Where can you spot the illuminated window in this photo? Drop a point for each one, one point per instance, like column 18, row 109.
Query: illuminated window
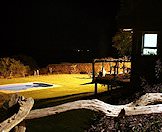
column 149, row 44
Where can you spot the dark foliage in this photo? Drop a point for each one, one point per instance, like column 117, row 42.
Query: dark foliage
column 139, row 123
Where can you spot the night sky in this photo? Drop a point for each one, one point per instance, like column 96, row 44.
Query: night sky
column 58, row 31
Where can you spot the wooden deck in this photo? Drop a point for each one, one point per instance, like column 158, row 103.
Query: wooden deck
column 111, row 82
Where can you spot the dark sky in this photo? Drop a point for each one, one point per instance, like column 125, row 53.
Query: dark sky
column 51, row 31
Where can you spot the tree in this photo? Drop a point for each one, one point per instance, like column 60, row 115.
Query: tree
column 123, row 42
column 10, row 67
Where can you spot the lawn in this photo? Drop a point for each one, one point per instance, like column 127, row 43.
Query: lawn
column 69, row 84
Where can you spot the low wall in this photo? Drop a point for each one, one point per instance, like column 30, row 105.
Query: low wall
column 80, row 68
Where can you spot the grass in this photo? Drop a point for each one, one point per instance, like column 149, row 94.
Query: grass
column 70, row 84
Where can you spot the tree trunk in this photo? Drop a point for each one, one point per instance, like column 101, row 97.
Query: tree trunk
column 149, row 103
column 144, row 105
column 25, row 105
column 20, row 127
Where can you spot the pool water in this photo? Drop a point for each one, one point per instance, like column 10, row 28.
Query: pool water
column 23, row 86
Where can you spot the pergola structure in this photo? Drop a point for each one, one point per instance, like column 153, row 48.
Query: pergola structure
column 115, row 73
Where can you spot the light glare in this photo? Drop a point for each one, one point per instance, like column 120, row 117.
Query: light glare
column 150, row 40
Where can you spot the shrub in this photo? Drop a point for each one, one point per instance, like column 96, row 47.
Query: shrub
column 10, row 67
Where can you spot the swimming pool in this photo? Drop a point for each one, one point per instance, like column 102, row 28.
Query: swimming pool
column 24, row 86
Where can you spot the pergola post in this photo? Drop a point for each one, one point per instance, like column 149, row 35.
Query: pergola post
column 95, row 92
column 93, row 71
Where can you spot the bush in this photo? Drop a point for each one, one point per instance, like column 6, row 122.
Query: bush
column 10, row 67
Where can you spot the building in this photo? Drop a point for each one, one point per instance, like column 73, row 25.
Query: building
column 144, row 17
